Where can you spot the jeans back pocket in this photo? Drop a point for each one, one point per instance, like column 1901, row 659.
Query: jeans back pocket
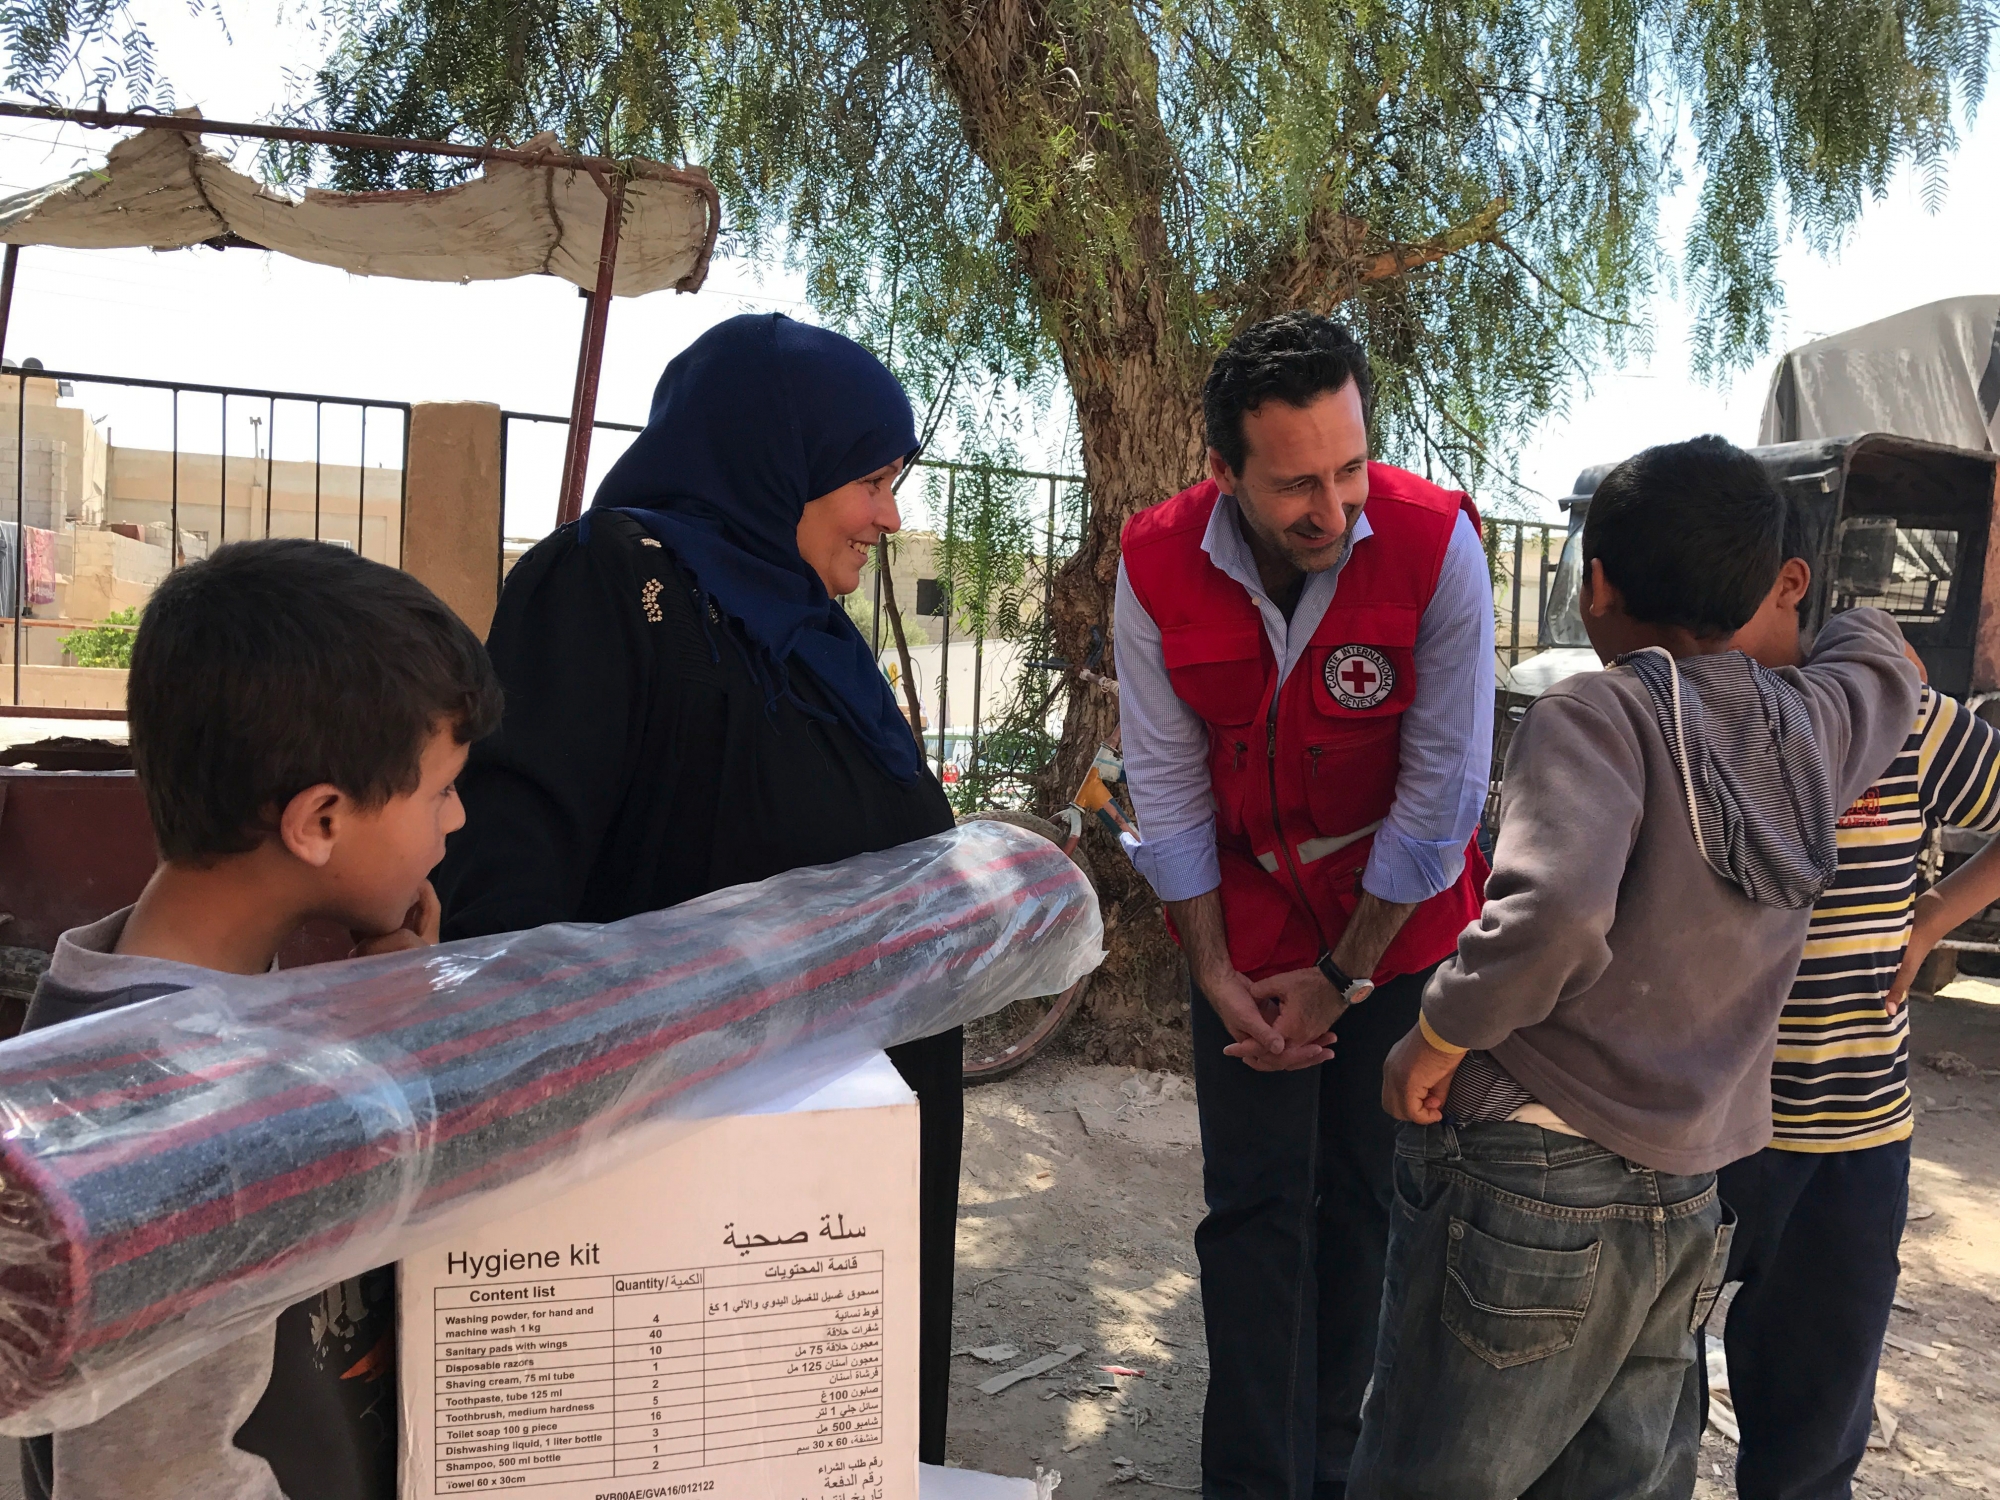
column 1510, row 1304
column 1718, row 1269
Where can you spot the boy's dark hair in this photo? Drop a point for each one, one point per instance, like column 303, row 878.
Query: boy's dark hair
column 1294, row 358
column 1691, row 533
column 275, row 665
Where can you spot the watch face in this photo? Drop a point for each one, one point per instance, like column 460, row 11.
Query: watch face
column 1360, row 990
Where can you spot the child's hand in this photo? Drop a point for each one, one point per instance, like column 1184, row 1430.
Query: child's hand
column 1923, row 672
column 419, row 929
column 1930, row 927
column 1906, row 975
column 1415, row 1079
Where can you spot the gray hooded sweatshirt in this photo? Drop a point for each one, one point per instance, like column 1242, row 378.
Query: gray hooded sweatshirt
column 1623, row 976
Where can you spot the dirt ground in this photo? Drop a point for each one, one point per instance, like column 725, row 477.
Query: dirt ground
column 1082, row 1187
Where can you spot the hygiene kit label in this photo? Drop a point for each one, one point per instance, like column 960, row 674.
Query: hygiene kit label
column 734, row 1315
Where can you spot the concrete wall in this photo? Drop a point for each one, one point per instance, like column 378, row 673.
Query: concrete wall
column 60, row 687
column 65, row 468
column 356, row 506
column 453, row 518
column 109, row 572
column 913, row 556
column 997, row 665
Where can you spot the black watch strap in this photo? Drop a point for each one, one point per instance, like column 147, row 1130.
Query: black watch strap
column 1336, row 976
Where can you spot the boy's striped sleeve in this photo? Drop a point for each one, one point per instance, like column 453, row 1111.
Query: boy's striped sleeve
column 1959, row 768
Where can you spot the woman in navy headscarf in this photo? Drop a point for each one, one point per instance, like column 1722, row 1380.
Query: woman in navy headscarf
column 688, row 705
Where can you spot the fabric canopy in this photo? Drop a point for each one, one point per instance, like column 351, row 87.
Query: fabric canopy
column 1932, row 372
column 161, row 188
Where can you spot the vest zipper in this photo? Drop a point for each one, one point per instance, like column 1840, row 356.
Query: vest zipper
column 1240, row 748
column 1313, row 751
column 1278, row 825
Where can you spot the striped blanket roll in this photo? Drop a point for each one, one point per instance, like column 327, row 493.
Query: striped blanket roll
column 178, row 1171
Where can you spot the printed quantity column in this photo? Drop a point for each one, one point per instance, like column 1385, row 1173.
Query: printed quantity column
column 659, row 1395
column 524, row 1383
column 793, row 1357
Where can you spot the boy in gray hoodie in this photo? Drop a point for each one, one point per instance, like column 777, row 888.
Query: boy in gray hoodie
column 1601, row 1042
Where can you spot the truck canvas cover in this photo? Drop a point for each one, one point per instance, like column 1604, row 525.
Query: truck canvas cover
column 1932, row 372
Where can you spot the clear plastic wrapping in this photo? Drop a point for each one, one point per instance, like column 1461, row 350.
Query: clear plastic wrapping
column 175, row 1173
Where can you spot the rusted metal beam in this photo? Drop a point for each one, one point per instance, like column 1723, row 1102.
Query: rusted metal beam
column 7, row 294
column 99, row 119
column 589, row 362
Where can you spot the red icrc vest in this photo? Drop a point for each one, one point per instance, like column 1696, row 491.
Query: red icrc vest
column 1302, row 784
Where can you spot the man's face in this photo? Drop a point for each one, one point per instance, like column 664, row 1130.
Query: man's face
column 1305, row 476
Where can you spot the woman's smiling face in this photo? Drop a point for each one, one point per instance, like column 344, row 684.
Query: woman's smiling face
column 839, row 529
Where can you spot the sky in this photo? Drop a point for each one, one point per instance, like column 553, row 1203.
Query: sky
column 244, row 318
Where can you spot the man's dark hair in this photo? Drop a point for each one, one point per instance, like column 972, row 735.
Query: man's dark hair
column 1295, row 358
column 276, row 665
column 1691, row 533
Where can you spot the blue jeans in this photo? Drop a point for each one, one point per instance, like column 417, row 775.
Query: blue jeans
column 1538, row 1317
column 1816, row 1250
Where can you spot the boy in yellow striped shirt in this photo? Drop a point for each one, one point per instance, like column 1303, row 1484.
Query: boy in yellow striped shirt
column 1820, row 1211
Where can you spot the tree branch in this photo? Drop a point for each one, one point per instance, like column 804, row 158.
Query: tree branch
column 1558, row 293
column 1483, row 228
column 1335, row 260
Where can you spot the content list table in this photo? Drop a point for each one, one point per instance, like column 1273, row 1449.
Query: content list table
column 624, row 1375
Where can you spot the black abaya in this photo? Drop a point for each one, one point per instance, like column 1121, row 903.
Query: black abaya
column 642, row 763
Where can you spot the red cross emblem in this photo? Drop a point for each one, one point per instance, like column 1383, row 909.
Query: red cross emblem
column 1359, row 677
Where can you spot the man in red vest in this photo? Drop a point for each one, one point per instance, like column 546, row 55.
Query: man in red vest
column 1305, row 662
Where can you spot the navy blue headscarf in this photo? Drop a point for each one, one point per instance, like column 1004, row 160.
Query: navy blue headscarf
column 755, row 418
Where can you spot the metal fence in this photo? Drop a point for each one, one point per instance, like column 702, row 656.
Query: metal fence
column 214, row 463
column 117, row 479
column 1060, row 503
column 1522, row 557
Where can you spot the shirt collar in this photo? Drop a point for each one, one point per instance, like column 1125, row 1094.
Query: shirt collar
column 1229, row 550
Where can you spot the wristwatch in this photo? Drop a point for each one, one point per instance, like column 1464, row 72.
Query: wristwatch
column 1353, row 991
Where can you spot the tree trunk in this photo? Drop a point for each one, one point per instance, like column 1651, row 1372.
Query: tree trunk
column 1044, row 105
column 1141, row 443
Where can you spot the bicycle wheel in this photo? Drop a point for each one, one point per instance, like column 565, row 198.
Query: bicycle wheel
column 1010, row 1038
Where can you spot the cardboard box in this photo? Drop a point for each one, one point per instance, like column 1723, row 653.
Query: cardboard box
column 732, row 1315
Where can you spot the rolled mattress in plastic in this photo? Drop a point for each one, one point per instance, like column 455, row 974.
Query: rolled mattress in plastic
column 175, row 1173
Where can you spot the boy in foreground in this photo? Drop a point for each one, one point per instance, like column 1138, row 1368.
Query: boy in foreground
column 1601, row 1042
column 298, row 716
column 1820, row 1210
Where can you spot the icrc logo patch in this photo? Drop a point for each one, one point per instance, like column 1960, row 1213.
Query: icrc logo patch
column 1359, row 677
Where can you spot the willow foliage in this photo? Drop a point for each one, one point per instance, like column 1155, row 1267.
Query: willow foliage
column 970, row 185
column 977, row 187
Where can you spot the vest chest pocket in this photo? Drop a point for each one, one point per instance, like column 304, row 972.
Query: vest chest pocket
column 1220, row 670
column 1363, row 662
column 1361, row 675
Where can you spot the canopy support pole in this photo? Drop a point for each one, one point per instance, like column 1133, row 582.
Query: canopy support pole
column 589, row 360
column 7, row 293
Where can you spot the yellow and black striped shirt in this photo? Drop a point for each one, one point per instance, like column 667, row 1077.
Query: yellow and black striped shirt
column 1841, row 1078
